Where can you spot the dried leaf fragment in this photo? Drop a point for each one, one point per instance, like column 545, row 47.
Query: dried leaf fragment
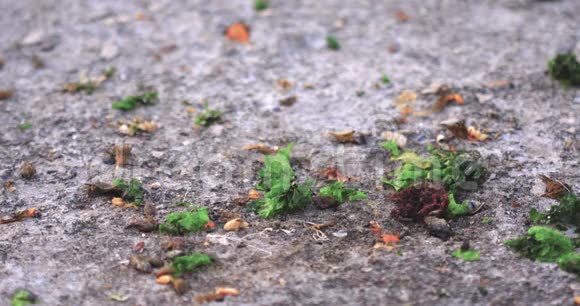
column 5, row 94
column 122, row 154
column 284, row 84
column 398, row 138
column 390, row 238
column 289, row 101
column 260, row 148
column 235, row 224
column 238, row 32
column 474, row 134
column 456, row 127
column 25, row 214
column 140, row 264
column 179, row 285
column 137, row 248
column 144, row 225
column 344, row 136
column 402, row 16
column 164, row 279
column 9, row 185
column 227, row 291
column 118, row 202
column 555, row 189
column 253, row 194
column 217, row 295
column 27, row 170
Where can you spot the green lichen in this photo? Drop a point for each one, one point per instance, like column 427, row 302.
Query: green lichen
column 467, row 255
column 180, row 223
column 132, row 191
column 332, row 43
column 208, row 117
column 132, row 102
column 283, row 194
column 565, row 68
column 22, row 298
column 25, row 126
column 189, row 263
column 566, row 214
column 340, row 193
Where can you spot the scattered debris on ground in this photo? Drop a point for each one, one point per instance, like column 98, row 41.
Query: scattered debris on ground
column 89, row 85
column 25, row 214
column 238, row 32
column 208, row 117
column 332, row 43
column 132, row 102
column 565, row 68
column 23, row 297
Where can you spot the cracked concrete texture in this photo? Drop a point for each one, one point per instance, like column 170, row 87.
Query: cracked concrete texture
column 77, row 252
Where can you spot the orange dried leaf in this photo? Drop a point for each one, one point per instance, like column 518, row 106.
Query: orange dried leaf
column 402, row 16
column 253, row 194
column 390, row 238
column 164, row 279
column 238, row 32
column 474, row 134
column 260, row 148
column 223, row 291
column 344, row 136
column 118, row 202
column 209, row 225
column 28, row 213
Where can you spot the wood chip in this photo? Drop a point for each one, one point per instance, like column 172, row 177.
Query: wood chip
column 344, row 136
column 235, row 224
column 260, row 148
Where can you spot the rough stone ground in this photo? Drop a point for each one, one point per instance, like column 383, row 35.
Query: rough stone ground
column 77, row 252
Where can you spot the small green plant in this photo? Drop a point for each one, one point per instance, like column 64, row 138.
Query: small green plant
column 180, row 223
column 392, row 147
column 341, row 194
column 467, row 255
column 486, row 220
column 567, row 213
column 132, row 102
column 208, row 117
column 183, row 204
column 332, row 43
column 25, row 126
column 260, row 5
column 22, row 298
column 189, row 263
column 385, row 79
column 283, row 194
column 132, row 190
column 565, row 68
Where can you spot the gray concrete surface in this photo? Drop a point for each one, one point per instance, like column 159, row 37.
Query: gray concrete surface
column 77, row 252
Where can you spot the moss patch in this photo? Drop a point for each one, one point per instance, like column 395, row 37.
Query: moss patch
column 189, row 263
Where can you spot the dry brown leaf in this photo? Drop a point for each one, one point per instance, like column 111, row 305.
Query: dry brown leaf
column 224, row 291
column 288, row 101
column 143, row 225
column 179, row 285
column 27, row 170
column 166, row 270
column 25, row 214
column 6, row 94
column 238, row 32
column 137, row 248
column 260, row 148
column 253, row 194
column 406, row 97
column 235, row 224
column 344, row 136
column 147, row 126
column 456, row 127
column 164, row 279
column 284, row 84
column 9, row 185
column 118, row 202
column 555, row 189
column 122, row 154
column 402, row 16
column 474, row 134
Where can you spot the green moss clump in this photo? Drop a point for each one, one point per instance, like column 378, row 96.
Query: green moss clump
column 570, row 262
column 180, row 223
column 542, row 244
column 455, row 209
column 260, row 5
column 283, row 194
column 563, row 215
column 133, row 102
column 392, row 147
column 189, row 263
column 340, row 193
column 385, row 79
column 565, row 68
column 132, row 191
column 208, row 117
column 22, row 298
column 25, row 126
column 467, row 255
column 332, row 43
